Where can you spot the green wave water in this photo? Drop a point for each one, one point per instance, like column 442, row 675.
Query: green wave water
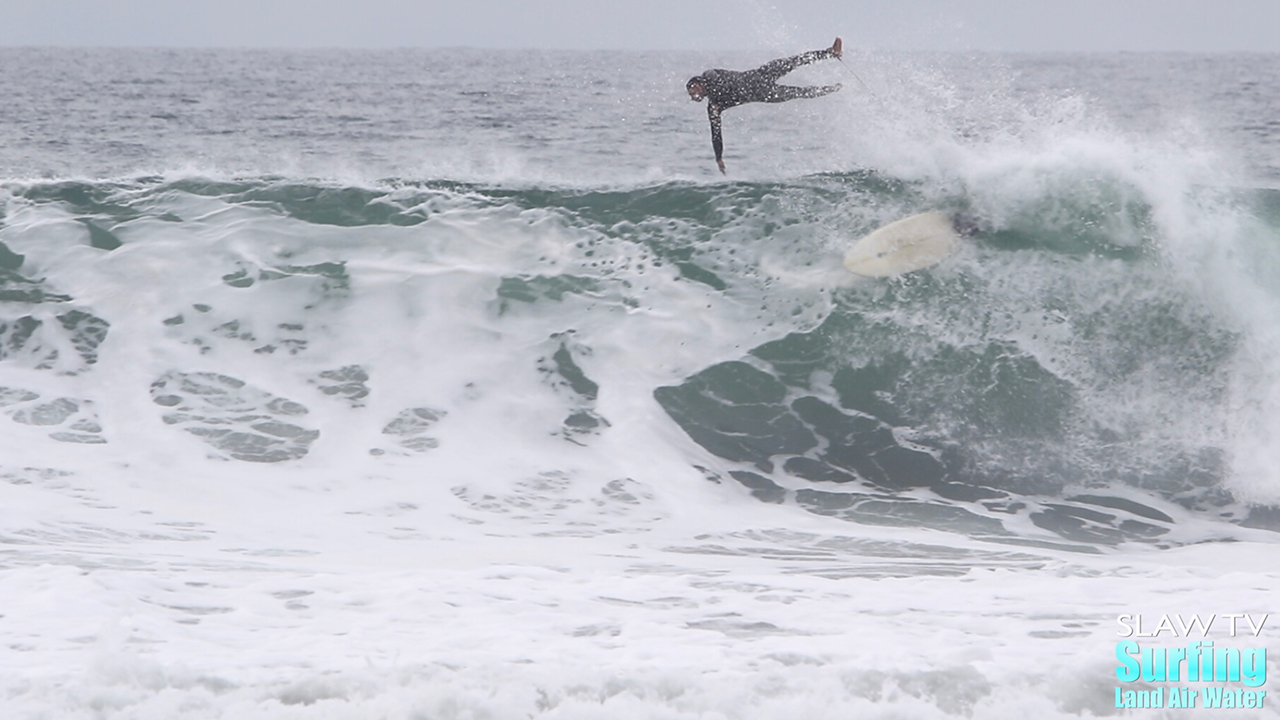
column 1063, row 353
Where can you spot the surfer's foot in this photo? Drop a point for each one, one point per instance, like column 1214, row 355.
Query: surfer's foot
column 837, row 48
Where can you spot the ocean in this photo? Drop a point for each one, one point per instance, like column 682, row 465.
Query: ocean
column 460, row 384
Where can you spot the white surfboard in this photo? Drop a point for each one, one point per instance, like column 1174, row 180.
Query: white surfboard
column 912, row 243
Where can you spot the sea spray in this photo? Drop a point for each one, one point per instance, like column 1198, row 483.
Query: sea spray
column 456, row 382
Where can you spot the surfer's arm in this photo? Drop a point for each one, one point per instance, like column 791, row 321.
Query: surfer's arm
column 717, row 143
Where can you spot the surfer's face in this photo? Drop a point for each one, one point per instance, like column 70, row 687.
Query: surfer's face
column 697, row 91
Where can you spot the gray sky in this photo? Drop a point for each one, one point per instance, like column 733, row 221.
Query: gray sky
column 1136, row 25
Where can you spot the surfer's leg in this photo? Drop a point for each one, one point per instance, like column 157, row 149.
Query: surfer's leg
column 783, row 93
column 775, row 69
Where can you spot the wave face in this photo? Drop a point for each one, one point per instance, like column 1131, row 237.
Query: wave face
column 1064, row 355
column 466, row 389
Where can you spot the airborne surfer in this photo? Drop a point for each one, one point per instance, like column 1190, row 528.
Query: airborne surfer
column 724, row 89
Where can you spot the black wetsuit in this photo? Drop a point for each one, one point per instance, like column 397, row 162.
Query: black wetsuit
column 727, row 88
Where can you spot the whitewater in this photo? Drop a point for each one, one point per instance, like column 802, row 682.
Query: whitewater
column 427, row 384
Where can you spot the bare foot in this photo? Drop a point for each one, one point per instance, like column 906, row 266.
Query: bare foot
column 837, row 48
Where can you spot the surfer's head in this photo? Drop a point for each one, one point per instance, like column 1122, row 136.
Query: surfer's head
column 697, row 87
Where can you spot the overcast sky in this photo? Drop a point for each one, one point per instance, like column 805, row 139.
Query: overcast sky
column 1089, row 25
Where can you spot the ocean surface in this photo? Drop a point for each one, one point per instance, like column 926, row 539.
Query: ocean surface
column 459, row 384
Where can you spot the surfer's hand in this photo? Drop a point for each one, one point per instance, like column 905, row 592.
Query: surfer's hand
column 837, row 48
column 721, row 164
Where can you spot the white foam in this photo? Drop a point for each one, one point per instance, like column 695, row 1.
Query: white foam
column 515, row 569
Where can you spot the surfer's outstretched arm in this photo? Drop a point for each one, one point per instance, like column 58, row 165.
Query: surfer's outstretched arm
column 783, row 93
column 717, row 143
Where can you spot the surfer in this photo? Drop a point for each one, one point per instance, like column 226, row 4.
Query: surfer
column 724, row 89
